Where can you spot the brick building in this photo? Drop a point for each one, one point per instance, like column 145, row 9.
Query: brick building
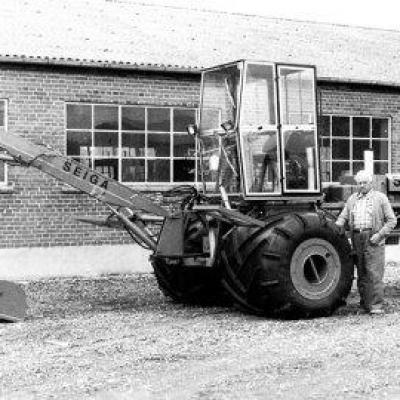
column 113, row 83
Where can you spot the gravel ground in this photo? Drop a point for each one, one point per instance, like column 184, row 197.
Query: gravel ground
column 118, row 337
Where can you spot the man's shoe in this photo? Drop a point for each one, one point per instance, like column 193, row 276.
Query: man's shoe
column 377, row 311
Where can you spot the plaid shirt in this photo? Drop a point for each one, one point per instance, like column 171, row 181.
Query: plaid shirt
column 383, row 218
column 362, row 211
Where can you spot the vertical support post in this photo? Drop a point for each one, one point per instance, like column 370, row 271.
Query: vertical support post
column 369, row 161
column 224, row 197
column 311, row 167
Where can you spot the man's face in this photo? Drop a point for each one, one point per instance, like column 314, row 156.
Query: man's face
column 364, row 186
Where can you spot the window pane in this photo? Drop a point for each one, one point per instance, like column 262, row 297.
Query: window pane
column 325, row 125
column 79, row 116
column 184, row 146
column 79, row 143
column 158, row 170
column 133, row 119
column 340, row 126
column 297, row 95
column 381, row 168
column 211, row 119
column 106, row 117
column 108, row 167
column 2, row 115
column 158, row 119
column 106, row 144
column 184, row 170
column 220, row 92
column 133, row 170
column 380, row 128
column 325, row 171
column 359, row 146
column 299, row 159
column 158, row 145
column 228, row 165
column 133, row 145
column 258, row 96
column 260, row 155
column 325, row 149
column 339, row 170
column 380, row 148
column 357, row 166
column 340, row 149
column 183, row 118
column 361, row 127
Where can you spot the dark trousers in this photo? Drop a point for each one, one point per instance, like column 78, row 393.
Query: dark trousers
column 370, row 269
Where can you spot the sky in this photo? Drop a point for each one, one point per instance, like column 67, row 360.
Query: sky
column 382, row 14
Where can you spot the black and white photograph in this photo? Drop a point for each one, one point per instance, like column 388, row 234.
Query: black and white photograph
column 199, row 200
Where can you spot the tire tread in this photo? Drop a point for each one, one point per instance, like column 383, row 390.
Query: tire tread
column 260, row 278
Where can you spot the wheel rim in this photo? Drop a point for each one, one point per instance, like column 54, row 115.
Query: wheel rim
column 315, row 268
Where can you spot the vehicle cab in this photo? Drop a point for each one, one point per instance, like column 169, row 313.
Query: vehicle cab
column 258, row 130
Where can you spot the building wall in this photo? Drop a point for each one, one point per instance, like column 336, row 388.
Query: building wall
column 39, row 211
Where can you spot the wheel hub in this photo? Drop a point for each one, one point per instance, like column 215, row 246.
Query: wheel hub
column 315, row 268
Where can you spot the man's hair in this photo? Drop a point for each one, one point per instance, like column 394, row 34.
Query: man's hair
column 363, row 176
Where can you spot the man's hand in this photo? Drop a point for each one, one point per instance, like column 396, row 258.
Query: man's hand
column 375, row 239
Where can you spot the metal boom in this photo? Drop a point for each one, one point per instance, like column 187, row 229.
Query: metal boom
column 80, row 176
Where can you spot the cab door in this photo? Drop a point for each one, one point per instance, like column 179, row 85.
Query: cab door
column 298, row 129
column 258, row 128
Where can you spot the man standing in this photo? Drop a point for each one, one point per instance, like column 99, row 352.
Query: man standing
column 370, row 218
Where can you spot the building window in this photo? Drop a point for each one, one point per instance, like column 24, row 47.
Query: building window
column 133, row 144
column 343, row 141
column 3, row 127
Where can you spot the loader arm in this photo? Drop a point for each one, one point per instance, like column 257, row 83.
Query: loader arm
column 107, row 190
column 76, row 174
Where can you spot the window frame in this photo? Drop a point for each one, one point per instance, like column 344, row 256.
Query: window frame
column 146, row 157
column 287, row 126
column 350, row 160
column 246, row 129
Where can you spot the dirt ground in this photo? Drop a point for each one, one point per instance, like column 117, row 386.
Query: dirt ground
column 118, row 337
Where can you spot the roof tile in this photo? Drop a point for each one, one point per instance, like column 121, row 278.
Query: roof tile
column 131, row 34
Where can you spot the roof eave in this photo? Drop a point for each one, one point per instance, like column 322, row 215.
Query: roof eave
column 70, row 62
column 358, row 81
column 148, row 67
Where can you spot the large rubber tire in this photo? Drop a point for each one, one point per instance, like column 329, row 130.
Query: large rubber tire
column 190, row 284
column 297, row 266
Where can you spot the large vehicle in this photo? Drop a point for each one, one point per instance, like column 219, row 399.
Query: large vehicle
column 251, row 230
